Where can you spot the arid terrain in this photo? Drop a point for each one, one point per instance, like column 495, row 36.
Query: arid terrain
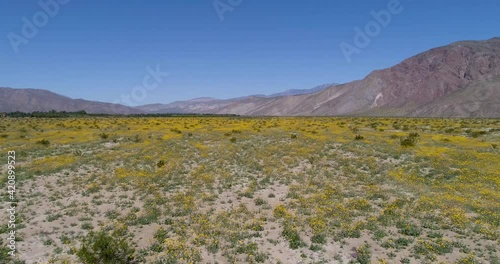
column 255, row 190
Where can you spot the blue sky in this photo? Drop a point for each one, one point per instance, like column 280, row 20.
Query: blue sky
column 99, row 50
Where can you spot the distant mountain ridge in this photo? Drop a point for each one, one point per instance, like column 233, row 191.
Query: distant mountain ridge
column 211, row 105
column 292, row 92
column 32, row 100
column 458, row 80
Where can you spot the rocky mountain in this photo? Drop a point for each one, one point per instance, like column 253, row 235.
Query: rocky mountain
column 302, row 91
column 212, row 105
column 31, row 100
column 190, row 106
column 461, row 79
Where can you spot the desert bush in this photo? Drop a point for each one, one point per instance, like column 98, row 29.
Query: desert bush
column 362, row 254
column 175, row 130
column 101, row 247
column 43, row 142
column 477, row 133
column 359, row 137
column 318, row 239
column 409, row 141
column 291, row 234
column 160, row 163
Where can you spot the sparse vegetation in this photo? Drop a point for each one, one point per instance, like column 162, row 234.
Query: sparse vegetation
column 257, row 190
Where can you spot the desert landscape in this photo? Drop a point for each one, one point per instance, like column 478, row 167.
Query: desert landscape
column 255, row 190
column 234, row 131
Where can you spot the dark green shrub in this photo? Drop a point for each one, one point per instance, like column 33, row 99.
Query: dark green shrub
column 293, row 237
column 315, row 247
column 359, row 137
column 409, row 141
column 100, row 247
column 175, row 130
column 362, row 254
column 318, row 239
column 409, row 229
column 476, row 134
column 160, row 163
column 161, row 235
column 414, row 135
column 43, row 142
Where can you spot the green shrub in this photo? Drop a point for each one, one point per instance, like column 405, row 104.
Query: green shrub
column 87, row 225
column 319, row 239
column 175, row 130
column 476, row 134
column 315, row 247
column 409, row 229
column 43, row 142
column 160, row 163
column 362, row 254
column 260, row 201
column 409, row 141
column 292, row 235
column 359, row 137
column 100, row 247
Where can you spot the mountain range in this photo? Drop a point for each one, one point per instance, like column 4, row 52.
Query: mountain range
column 212, row 105
column 458, row 80
column 32, row 100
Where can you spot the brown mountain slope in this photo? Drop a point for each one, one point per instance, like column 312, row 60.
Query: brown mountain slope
column 31, row 100
column 479, row 99
column 212, row 105
column 401, row 90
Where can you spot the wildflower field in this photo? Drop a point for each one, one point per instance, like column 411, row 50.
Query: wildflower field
column 254, row 190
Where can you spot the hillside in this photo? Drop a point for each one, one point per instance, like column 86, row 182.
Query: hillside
column 31, row 100
column 415, row 87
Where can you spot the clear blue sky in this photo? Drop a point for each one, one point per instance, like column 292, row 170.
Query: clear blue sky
column 99, row 50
